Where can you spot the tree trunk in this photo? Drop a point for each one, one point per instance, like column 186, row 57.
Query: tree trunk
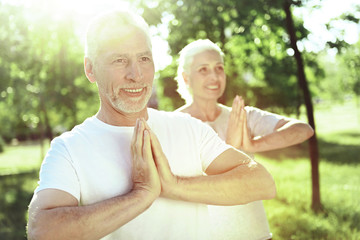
column 313, row 145
column 48, row 129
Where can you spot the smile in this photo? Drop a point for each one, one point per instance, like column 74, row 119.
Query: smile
column 213, row 87
column 133, row 90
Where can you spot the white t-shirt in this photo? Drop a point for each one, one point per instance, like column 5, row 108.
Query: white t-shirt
column 92, row 162
column 247, row 221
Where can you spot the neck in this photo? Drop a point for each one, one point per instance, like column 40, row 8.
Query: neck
column 205, row 110
column 118, row 118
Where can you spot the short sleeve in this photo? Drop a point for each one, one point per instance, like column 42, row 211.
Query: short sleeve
column 261, row 122
column 211, row 145
column 58, row 172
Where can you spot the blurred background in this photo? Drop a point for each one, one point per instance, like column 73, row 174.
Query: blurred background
column 268, row 44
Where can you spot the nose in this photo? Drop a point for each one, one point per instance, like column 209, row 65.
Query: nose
column 214, row 75
column 134, row 72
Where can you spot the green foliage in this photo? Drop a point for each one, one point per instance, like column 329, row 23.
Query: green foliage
column 166, row 87
column 42, row 87
column 43, row 90
column 254, row 38
column 351, row 59
column 2, row 144
column 16, row 194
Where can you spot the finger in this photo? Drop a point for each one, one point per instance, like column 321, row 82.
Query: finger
column 239, row 105
column 146, row 124
column 134, row 137
column 245, row 127
column 140, row 138
column 146, row 149
column 235, row 109
column 234, row 102
column 157, row 151
column 241, row 102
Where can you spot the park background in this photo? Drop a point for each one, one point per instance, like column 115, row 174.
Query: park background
column 43, row 92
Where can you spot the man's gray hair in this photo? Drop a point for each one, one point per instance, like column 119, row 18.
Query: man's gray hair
column 186, row 59
column 105, row 24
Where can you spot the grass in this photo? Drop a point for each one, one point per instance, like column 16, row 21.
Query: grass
column 21, row 157
column 290, row 215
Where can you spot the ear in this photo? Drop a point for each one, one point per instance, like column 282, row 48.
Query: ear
column 186, row 79
column 89, row 70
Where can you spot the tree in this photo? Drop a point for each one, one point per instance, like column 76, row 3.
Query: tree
column 42, row 81
column 255, row 41
column 262, row 59
column 313, row 145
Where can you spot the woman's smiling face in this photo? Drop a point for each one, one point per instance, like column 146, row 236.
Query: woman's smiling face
column 206, row 78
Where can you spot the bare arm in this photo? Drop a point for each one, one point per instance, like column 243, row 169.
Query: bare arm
column 286, row 133
column 54, row 214
column 233, row 178
column 239, row 185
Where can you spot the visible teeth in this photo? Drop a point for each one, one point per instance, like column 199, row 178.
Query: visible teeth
column 213, row 87
column 133, row 90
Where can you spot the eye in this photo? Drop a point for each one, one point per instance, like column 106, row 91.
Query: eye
column 220, row 68
column 145, row 59
column 120, row 60
column 202, row 70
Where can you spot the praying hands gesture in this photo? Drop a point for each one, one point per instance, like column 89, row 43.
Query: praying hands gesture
column 287, row 132
column 238, row 134
column 144, row 172
column 151, row 170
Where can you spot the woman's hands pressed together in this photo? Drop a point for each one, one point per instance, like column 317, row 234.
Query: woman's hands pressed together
column 238, row 134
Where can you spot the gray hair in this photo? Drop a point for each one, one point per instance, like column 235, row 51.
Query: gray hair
column 105, row 24
column 186, row 58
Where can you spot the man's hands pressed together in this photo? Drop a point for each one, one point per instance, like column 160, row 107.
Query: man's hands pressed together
column 144, row 172
column 151, row 170
column 152, row 173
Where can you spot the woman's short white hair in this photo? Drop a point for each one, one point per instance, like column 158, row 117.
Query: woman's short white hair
column 186, row 59
column 105, row 24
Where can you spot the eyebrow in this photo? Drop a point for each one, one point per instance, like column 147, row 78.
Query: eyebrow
column 206, row 64
column 114, row 55
column 144, row 53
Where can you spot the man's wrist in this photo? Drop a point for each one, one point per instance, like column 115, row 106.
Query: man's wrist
column 143, row 195
column 172, row 188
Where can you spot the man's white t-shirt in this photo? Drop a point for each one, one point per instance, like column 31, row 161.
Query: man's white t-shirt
column 92, row 162
column 247, row 222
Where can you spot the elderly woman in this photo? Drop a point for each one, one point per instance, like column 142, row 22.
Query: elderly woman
column 201, row 82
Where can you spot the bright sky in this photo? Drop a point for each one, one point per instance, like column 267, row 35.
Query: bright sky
column 314, row 20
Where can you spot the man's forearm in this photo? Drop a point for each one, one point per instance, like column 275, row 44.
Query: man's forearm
column 87, row 222
column 241, row 185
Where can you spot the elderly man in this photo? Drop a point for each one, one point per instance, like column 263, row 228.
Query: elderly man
column 131, row 172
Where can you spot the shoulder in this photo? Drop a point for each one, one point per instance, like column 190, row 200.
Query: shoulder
column 177, row 120
column 176, row 115
column 224, row 108
column 185, row 109
column 257, row 112
column 75, row 133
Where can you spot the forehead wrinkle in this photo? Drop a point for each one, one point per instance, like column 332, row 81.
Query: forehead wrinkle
column 144, row 53
column 208, row 64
